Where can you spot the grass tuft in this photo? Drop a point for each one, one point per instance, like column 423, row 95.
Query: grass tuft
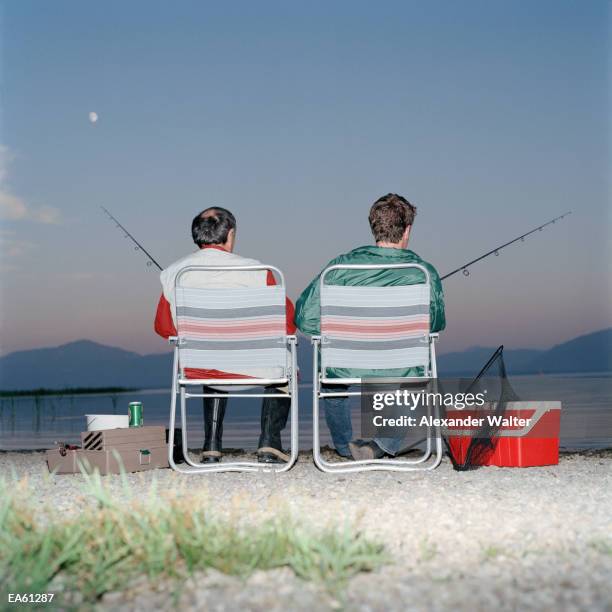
column 429, row 550
column 491, row 552
column 103, row 549
column 602, row 545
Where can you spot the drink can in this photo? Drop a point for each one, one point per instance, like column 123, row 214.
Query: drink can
column 135, row 414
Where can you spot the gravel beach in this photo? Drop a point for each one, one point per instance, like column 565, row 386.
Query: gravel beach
column 505, row 539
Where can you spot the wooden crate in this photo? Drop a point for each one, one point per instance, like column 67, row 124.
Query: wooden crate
column 107, row 439
column 134, row 449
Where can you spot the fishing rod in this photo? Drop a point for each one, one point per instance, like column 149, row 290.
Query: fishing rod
column 496, row 250
column 139, row 246
column 463, row 268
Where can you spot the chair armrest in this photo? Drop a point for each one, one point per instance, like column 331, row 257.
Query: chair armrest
column 172, row 339
column 315, row 339
column 292, row 339
column 434, row 337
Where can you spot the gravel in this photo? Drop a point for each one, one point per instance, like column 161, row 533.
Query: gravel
column 494, row 538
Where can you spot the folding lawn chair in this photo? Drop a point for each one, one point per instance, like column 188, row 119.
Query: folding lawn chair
column 234, row 329
column 375, row 329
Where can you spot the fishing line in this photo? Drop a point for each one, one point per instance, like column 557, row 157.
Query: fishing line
column 463, row 268
column 151, row 261
column 496, row 250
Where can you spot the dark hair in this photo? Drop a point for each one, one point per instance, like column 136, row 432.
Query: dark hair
column 390, row 216
column 212, row 226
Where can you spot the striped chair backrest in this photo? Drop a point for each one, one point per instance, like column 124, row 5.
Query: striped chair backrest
column 240, row 330
column 375, row 328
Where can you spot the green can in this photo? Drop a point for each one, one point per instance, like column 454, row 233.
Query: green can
column 135, row 414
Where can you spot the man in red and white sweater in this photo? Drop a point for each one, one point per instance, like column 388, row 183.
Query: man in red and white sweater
column 214, row 232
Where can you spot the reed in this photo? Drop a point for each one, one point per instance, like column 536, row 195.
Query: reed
column 103, row 549
column 65, row 391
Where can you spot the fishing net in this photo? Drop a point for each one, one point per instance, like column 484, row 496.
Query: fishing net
column 469, row 453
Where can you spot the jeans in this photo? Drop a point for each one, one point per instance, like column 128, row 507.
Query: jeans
column 338, row 419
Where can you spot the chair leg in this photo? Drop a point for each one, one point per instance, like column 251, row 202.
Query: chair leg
column 295, row 398
column 295, row 431
column 345, row 467
column 438, row 437
column 324, row 466
column 394, row 465
column 186, row 456
column 234, row 466
column 201, row 468
column 172, row 424
column 316, row 440
column 171, row 431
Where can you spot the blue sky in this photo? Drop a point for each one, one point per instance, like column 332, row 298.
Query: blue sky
column 490, row 116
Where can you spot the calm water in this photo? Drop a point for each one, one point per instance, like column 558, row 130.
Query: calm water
column 40, row 422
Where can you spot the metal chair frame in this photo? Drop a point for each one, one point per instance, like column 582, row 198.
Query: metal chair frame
column 180, row 384
column 319, row 379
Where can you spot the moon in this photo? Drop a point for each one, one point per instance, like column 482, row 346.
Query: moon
column 93, row 117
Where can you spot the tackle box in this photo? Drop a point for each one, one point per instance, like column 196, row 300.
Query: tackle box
column 133, row 449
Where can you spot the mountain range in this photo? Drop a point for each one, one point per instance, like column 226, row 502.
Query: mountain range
column 88, row 364
column 589, row 353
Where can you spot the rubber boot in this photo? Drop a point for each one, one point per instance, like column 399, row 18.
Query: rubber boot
column 214, row 411
column 274, row 414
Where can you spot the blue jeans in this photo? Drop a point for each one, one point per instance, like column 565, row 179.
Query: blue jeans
column 338, row 419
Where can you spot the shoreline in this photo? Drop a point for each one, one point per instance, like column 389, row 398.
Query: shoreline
column 563, row 451
column 501, row 538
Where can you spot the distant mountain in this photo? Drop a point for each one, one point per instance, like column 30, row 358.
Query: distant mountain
column 589, row 353
column 83, row 364
column 472, row 360
column 89, row 364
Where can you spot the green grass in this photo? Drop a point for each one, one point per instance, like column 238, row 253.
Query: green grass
column 602, row 546
column 428, row 550
column 491, row 552
column 102, row 549
column 65, row 391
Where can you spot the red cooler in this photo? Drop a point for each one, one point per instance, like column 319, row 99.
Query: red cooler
column 530, row 439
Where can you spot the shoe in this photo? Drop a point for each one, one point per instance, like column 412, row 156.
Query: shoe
column 214, row 412
column 274, row 414
column 344, row 454
column 271, row 455
column 208, row 457
column 365, row 451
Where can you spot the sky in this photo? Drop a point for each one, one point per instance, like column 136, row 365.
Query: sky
column 490, row 117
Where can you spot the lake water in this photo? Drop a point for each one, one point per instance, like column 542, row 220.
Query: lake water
column 39, row 422
column 28, row 423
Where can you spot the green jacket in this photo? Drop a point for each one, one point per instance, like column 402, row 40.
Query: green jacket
column 307, row 309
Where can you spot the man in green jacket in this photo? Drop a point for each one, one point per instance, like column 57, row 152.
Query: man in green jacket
column 391, row 218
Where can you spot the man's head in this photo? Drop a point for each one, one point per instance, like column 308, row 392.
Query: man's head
column 391, row 218
column 216, row 226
